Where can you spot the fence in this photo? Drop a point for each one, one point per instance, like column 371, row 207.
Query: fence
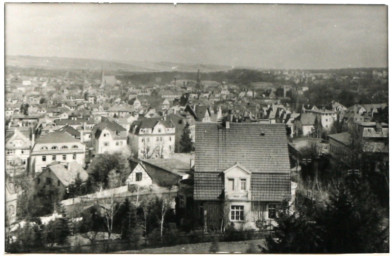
column 105, row 246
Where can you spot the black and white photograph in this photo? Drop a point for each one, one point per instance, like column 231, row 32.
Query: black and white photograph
column 196, row 128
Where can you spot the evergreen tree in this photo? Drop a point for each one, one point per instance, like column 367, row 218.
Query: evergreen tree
column 56, row 231
column 186, row 144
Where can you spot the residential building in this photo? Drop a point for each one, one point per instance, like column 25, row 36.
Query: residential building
column 161, row 172
column 17, row 150
column 152, row 138
column 109, row 137
column 304, row 125
column 242, row 173
column 60, row 176
column 58, row 146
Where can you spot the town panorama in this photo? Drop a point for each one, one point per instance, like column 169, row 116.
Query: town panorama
column 105, row 156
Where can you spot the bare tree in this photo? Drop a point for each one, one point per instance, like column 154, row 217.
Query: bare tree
column 109, row 210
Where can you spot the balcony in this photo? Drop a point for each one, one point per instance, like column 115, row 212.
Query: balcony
column 238, row 195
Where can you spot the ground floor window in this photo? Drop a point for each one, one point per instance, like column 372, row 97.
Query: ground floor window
column 237, row 212
column 271, row 211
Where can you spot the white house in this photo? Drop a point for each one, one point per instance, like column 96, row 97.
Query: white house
column 56, row 146
column 17, row 151
column 109, row 137
column 152, row 138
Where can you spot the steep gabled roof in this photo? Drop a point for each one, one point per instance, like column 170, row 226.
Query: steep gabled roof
column 257, row 147
column 72, row 131
column 149, row 123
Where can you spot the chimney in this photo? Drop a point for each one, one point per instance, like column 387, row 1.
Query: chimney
column 227, row 125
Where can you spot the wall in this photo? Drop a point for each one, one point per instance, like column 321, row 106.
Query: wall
column 146, row 180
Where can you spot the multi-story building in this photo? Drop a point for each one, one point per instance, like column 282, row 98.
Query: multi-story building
column 17, row 150
column 152, row 138
column 56, row 146
column 109, row 137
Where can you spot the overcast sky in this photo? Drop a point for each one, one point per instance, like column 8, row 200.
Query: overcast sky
column 265, row 36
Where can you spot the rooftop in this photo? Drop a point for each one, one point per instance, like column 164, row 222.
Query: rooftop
column 56, row 137
column 258, row 147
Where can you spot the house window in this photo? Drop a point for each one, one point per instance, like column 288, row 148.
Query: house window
column 10, row 152
column 54, row 147
column 64, row 147
column 243, row 184
column 157, row 138
column 271, row 211
column 237, row 212
column 159, row 130
column 231, row 184
column 38, row 180
column 43, row 158
column 48, row 181
column 64, row 157
column 139, row 176
column 54, row 157
column 58, row 183
column 75, row 146
column 169, row 138
column 74, row 156
column 106, row 144
column 117, row 143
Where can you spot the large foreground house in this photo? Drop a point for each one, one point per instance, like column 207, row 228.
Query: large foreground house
column 242, row 173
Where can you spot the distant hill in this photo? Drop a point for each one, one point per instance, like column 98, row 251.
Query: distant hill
column 58, row 63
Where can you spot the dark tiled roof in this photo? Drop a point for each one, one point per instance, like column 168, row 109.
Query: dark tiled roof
column 148, row 123
column 71, row 130
column 258, row 147
column 161, row 176
column 111, row 125
column 208, row 185
column 270, row 186
column 343, row 137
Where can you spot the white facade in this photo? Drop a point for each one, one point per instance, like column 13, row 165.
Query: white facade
column 139, row 177
column 17, row 151
column 63, row 152
column 106, row 143
column 156, row 142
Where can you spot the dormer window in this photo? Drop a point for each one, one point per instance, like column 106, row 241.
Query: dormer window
column 75, row 146
column 64, row 147
column 44, row 148
column 54, row 147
